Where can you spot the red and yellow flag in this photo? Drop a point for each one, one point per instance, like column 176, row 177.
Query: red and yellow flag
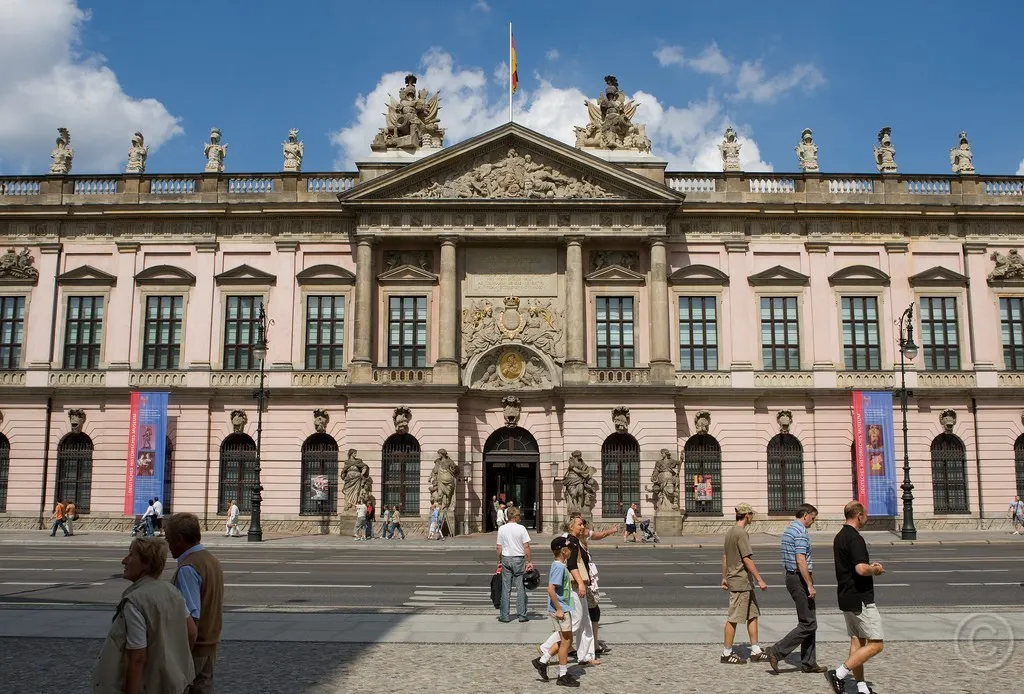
column 513, row 63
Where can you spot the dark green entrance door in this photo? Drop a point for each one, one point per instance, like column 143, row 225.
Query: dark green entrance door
column 511, row 463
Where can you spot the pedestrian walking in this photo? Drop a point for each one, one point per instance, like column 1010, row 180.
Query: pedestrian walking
column 434, row 532
column 70, row 515
column 855, row 586
column 148, row 517
column 501, row 518
column 560, row 603
column 578, row 566
column 630, row 523
column 231, row 526
column 58, row 519
column 739, row 572
column 1017, row 515
column 396, row 523
column 385, row 523
column 158, row 515
column 359, row 531
column 514, row 560
column 593, row 593
column 201, row 581
column 494, row 512
column 370, row 518
column 148, row 645
column 799, row 568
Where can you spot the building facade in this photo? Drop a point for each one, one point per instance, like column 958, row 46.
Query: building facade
column 510, row 301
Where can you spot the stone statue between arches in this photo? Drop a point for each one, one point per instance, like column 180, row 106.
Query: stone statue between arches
column 356, row 484
column 442, row 483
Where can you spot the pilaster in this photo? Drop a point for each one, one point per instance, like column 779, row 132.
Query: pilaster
column 446, row 368
column 361, row 368
column 575, row 371
column 662, row 370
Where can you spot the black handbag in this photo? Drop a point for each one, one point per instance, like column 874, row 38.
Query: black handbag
column 496, row 591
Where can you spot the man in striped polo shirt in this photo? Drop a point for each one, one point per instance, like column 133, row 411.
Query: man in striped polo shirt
column 796, row 560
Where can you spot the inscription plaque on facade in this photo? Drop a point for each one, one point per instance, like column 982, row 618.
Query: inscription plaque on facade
column 505, row 271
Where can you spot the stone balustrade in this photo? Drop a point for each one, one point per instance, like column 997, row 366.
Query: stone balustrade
column 783, row 379
column 12, row 378
column 158, row 379
column 865, row 379
column 319, row 379
column 385, row 376
column 619, row 376
column 703, row 379
column 78, row 379
column 234, row 379
column 946, row 379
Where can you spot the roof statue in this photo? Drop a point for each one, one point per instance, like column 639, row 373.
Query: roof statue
column 293, row 151
column 137, row 154
column 807, row 152
column 960, row 157
column 885, row 153
column 730, row 149
column 412, row 121
column 62, row 154
column 611, row 123
column 215, row 152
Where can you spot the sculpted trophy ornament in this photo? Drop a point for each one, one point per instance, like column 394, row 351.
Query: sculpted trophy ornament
column 960, row 157
column 785, row 419
column 62, row 155
column 730, row 148
column 215, row 152
column 885, row 153
column 702, row 422
column 948, row 420
column 1008, row 267
column 442, row 482
column 665, row 482
column 538, row 324
column 579, row 487
column 293, row 151
column 356, row 484
column 611, row 123
column 138, row 152
column 412, row 121
column 401, row 417
column 238, row 420
column 807, row 152
column 512, row 408
column 18, row 266
column 320, row 421
column 620, row 419
column 76, row 418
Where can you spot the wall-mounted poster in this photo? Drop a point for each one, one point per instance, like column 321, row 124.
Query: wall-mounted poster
column 147, row 438
column 875, row 452
column 703, row 490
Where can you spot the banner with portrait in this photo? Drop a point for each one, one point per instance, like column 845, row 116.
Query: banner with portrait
column 875, row 456
column 319, row 488
column 147, row 440
column 703, row 489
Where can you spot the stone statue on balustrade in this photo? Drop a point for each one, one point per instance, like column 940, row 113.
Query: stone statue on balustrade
column 1008, row 267
column 665, row 482
column 293, row 152
column 18, row 266
column 215, row 152
column 138, row 152
column 579, row 487
column 807, row 152
column 960, row 157
column 62, row 155
column 885, row 153
column 730, row 148
column 412, row 121
column 611, row 123
column 356, row 484
column 442, row 483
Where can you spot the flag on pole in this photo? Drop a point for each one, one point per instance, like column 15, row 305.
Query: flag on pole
column 513, row 66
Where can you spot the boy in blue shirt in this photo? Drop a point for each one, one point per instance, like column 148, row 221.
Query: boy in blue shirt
column 560, row 601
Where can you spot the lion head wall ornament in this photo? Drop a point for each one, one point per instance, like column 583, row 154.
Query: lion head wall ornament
column 702, row 422
column 620, row 418
column 238, row 420
column 401, row 417
column 76, row 418
column 785, row 419
column 320, row 420
column 948, row 420
column 512, row 408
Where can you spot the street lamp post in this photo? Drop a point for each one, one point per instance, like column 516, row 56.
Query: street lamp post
column 259, row 352
column 908, row 351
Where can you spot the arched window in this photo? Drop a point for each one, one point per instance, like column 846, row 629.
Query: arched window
column 319, row 482
column 620, row 474
column 949, row 474
column 5, row 469
column 237, row 472
column 74, row 471
column 1018, row 457
column 400, row 459
column 702, row 473
column 785, row 474
column 168, row 494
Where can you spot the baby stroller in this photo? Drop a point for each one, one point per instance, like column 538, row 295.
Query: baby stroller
column 138, row 527
column 647, row 532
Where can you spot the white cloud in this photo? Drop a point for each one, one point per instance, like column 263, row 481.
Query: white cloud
column 1020, row 169
column 501, row 74
column 49, row 84
column 753, row 84
column 481, row 6
column 553, row 54
column 710, row 61
column 670, row 55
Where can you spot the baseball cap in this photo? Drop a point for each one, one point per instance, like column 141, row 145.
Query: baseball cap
column 558, row 543
column 744, row 508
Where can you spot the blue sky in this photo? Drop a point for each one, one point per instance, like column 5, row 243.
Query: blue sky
column 255, row 69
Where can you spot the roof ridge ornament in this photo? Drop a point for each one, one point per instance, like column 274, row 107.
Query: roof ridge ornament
column 412, row 121
column 611, row 123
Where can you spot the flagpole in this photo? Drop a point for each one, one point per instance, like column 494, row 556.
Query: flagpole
column 510, row 72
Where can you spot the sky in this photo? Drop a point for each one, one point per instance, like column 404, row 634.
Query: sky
column 255, row 69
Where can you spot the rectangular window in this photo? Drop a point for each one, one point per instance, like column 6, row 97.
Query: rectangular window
column 161, row 341
column 83, row 332
column 861, row 345
column 940, row 336
column 12, row 331
column 698, row 333
column 1011, row 320
column 325, row 332
column 780, row 341
column 614, row 332
column 241, row 330
column 407, row 331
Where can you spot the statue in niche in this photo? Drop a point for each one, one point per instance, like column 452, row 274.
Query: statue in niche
column 442, row 482
column 412, row 121
column 18, row 266
column 215, row 152
column 960, row 157
column 423, row 259
column 579, row 488
column 320, row 421
column 611, row 122
column 885, row 153
column 293, row 151
column 730, row 148
column 1008, row 267
column 138, row 152
column 665, row 481
column 62, row 155
column 626, row 259
column 356, row 484
column 807, row 152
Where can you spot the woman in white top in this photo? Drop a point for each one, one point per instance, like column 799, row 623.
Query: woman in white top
column 502, row 517
column 231, row 527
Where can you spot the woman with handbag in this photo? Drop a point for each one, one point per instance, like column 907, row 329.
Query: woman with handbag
column 578, row 563
column 593, row 606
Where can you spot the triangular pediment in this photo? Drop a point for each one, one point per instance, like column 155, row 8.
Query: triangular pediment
column 86, row 276
column 325, row 274
column 615, row 274
column 165, row 275
column 515, row 164
column 701, row 275
column 245, row 275
column 779, row 276
column 407, row 274
column 938, row 277
column 860, row 275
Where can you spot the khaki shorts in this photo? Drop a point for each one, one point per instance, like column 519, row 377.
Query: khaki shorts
column 562, row 625
column 742, row 607
column 866, row 625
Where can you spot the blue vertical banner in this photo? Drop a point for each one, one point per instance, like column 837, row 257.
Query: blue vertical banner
column 873, row 437
column 147, row 441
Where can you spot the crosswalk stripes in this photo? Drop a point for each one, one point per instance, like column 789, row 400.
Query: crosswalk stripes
column 470, row 596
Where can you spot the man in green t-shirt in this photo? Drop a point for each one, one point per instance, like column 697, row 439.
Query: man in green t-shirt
column 738, row 574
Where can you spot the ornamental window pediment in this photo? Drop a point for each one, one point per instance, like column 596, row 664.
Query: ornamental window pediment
column 244, row 276
column 859, row 275
column 86, row 276
column 938, row 277
column 165, row 275
column 699, row 275
column 615, row 275
column 407, row 274
column 779, row 276
column 325, row 274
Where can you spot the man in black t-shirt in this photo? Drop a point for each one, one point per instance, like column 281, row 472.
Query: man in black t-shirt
column 855, row 586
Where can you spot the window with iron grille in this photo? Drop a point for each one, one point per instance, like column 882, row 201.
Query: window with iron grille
column 5, row 470
column 400, row 458
column 237, row 472
column 161, row 342
column 780, row 335
column 702, row 472
column 614, row 316
column 861, row 345
column 241, row 330
column 698, row 333
column 325, row 332
column 1011, row 320
column 949, row 474
column 83, row 332
column 168, row 476
column 74, row 471
column 785, row 474
column 12, row 331
column 620, row 474
column 940, row 334
column 407, row 331
column 319, row 481
column 1018, row 459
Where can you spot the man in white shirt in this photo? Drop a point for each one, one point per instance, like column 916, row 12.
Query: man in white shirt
column 148, row 517
column 630, row 523
column 231, row 527
column 514, row 560
column 158, row 515
column 359, row 532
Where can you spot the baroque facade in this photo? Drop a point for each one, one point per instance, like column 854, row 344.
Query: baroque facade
column 567, row 327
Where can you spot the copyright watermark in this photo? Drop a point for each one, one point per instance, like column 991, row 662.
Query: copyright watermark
column 984, row 641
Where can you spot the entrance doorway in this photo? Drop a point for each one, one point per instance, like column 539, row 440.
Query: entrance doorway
column 511, row 472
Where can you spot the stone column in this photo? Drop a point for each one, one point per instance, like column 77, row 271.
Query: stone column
column 662, row 370
column 446, row 368
column 575, row 370
column 360, row 370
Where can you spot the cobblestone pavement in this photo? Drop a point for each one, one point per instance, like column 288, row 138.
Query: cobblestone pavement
column 44, row 666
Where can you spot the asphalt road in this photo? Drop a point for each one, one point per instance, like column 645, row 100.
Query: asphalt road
column 449, row 578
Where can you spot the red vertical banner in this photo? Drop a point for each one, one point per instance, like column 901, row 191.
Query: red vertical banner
column 860, row 447
column 133, row 444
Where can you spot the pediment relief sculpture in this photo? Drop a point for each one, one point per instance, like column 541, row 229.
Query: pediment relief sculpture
column 627, row 259
column 16, row 267
column 412, row 120
column 423, row 259
column 1009, row 268
column 514, row 367
column 487, row 323
column 611, row 123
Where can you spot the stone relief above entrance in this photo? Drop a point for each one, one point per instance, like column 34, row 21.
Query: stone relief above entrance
column 539, row 324
column 424, row 260
column 627, row 259
column 511, row 368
